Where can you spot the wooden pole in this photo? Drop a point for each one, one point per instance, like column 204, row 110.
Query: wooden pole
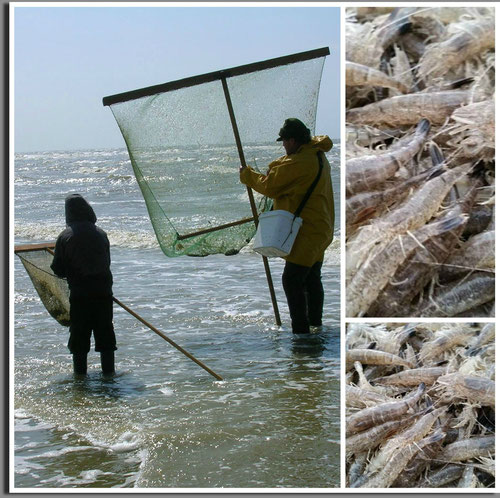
column 35, row 247
column 250, row 196
column 170, row 341
column 156, row 331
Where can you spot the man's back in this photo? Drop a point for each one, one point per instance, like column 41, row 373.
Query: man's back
column 82, row 252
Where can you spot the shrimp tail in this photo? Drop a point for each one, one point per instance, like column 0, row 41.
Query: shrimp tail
column 423, row 127
column 436, row 155
column 437, row 436
column 461, row 82
column 435, row 171
column 450, row 224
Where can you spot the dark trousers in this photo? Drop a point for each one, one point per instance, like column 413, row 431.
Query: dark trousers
column 91, row 315
column 304, row 294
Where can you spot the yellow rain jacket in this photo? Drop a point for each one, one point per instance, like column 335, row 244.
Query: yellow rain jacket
column 287, row 181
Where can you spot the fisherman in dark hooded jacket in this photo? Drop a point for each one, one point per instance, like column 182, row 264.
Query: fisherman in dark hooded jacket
column 82, row 256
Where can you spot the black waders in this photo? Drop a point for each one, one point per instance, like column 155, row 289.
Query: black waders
column 80, row 363
column 108, row 362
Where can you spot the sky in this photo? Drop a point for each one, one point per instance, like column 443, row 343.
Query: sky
column 67, row 58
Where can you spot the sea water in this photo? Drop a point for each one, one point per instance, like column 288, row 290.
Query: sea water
column 162, row 421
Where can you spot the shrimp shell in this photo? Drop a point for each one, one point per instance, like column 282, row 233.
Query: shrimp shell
column 411, row 435
column 362, row 398
column 413, row 377
column 441, row 477
column 366, row 136
column 366, row 172
column 368, row 417
column 454, row 299
column 413, row 213
column 358, row 74
column 398, row 462
column 382, row 264
column 473, row 37
column 478, row 253
column 372, row 357
column 372, row 437
column 408, row 109
column 473, row 388
column 467, row 449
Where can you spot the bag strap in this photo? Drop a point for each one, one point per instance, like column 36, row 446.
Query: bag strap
column 311, row 187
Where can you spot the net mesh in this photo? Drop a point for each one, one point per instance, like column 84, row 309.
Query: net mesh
column 184, row 155
column 53, row 291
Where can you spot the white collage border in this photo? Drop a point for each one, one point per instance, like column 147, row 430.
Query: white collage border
column 343, row 320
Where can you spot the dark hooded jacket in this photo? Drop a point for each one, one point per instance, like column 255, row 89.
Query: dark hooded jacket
column 82, row 252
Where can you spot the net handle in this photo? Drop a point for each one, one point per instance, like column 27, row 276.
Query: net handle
column 251, row 198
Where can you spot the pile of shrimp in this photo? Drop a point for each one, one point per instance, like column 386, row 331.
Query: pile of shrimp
column 420, row 406
column 420, row 156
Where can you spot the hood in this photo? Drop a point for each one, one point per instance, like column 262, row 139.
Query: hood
column 78, row 209
column 322, row 142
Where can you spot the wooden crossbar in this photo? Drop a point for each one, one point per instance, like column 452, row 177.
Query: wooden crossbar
column 214, row 76
column 214, row 229
column 34, row 247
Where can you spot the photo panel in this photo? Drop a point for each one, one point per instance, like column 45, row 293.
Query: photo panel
column 420, row 161
column 420, row 405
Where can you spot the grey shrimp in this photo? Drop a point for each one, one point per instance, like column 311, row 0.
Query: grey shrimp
column 399, row 460
column 401, row 110
column 364, row 419
column 397, row 24
column 413, row 213
column 477, row 254
column 419, row 267
column 457, row 298
column 372, row 437
column 413, row 434
column 366, row 172
column 439, row 478
column 413, row 377
column 373, row 357
column 446, row 340
column 380, row 267
column 487, row 336
column 472, row 388
column 473, row 37
column 467, row 449
column 359, row 74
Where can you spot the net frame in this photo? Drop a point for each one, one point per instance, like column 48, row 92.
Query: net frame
column 52, row 290
column 222, row 76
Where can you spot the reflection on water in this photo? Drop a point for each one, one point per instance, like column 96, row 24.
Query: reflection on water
column 311, row 345
column 96, row 385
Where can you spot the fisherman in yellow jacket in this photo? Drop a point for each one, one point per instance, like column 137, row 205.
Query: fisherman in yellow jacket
column 287, row 181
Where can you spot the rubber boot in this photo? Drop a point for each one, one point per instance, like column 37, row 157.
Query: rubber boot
column 80, row 363
column 108, row 362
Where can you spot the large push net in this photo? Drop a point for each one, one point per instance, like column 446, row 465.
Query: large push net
column 183, row 146
column 53, row 291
